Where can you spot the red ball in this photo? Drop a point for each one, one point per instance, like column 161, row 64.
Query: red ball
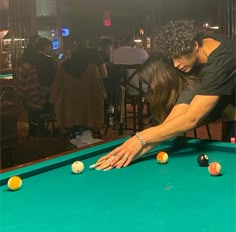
column 214, row 168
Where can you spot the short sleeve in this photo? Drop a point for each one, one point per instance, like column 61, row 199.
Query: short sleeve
column 218, row 75
column 188, row 93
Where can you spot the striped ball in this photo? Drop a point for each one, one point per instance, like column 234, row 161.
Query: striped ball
column 162, row 157
column 214, row 168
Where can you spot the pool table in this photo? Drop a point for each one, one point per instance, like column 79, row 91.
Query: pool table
column 145, row 196
column 6, row 76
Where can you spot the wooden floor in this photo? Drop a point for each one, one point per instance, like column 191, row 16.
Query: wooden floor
column 34, row 148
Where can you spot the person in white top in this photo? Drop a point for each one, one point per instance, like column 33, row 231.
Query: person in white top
column 126, row 54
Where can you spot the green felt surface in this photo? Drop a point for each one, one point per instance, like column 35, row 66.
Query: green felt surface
column 6, row 76
column 146, row 196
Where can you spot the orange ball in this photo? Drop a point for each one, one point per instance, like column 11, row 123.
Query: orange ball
column 162, row 157
column 14, row 183
column 214, row 168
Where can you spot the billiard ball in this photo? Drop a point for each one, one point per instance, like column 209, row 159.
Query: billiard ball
column 214, row 168
column 77, row 167
column 203, row 160
column 162, row 157
column 14, row 183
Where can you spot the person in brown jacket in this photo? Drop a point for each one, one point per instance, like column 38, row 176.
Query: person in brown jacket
column 78, row 95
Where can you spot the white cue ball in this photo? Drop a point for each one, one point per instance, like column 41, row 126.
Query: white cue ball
column 77, row 167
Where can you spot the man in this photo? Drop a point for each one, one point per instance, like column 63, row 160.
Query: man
column 212, row 59
column 126, row 54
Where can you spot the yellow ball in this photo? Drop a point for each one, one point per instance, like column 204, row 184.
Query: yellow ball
column 77, row 167
column 162, row 157
column 14, row 183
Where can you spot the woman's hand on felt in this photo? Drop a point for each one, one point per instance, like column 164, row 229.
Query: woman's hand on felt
column 123, row 155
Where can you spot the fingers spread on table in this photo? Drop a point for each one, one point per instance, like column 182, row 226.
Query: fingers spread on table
column 128, row 161
column 112, row 153
column 122, row 161
column 107, row 169
column 117, row 158
column 105, row 164
column 122, row 156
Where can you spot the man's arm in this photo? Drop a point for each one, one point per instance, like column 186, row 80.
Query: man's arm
column 197, row 110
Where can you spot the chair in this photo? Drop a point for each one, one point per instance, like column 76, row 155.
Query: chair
column 135, row 98
column 128, row 93
column 48, row 119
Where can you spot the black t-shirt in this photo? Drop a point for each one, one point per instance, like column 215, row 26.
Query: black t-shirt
column 218, row 74
column 217, row 77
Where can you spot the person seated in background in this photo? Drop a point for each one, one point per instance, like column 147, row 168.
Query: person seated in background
column 191, row 51
column 91, row 56
column 78, row 95
column 30, row 51
column 33, row 95
column 46, row 66
column 37, row 72
column 127, row 54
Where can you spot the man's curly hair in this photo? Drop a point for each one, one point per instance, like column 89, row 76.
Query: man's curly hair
column 177, row 38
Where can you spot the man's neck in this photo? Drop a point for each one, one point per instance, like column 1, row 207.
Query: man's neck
column 209, row 45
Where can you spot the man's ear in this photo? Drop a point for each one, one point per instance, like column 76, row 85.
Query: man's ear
column 196, row 46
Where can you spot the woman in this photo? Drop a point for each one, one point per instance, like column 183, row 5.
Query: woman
column 212, row 57
column 165, row 83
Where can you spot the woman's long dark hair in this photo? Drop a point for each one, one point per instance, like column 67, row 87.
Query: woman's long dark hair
column 105, row 49
column 76, row 65
column 165, row 84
